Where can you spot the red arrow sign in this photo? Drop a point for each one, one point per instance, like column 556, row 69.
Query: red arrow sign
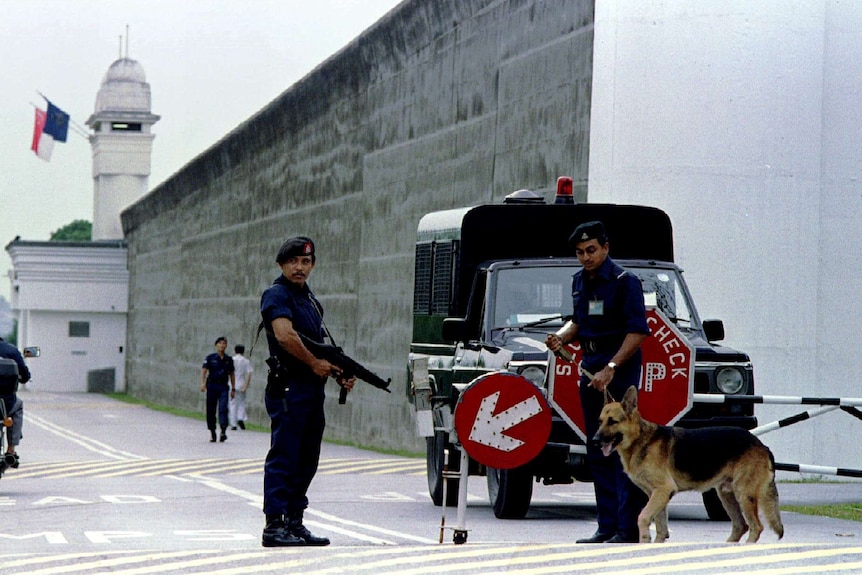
column 502, row 420
column 666, row 386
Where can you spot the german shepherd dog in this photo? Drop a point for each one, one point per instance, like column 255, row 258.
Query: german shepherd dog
column 663, row 461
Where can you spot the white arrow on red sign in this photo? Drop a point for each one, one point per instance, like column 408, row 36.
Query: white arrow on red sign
column 502, row 420
column 489, row 429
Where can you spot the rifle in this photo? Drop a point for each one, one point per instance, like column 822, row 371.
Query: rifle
column 349, row 367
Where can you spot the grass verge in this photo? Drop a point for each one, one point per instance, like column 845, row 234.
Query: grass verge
column 848, row 511
column 126, row 398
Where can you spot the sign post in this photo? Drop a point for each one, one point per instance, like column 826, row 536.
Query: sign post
column 502, row 421
column 666, row 389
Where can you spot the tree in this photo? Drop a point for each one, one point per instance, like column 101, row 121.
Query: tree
column 8, row 324
column 12, row 337
column 77, row 231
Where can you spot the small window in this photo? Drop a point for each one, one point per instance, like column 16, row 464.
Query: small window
column 79, row 329
column 422, row 279
column 441, row 284
column 434, row 282
column 125, row 127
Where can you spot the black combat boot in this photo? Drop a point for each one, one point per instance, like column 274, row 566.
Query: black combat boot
column 297, row 529
column 275, row 534
column 213, row 434
column 223, row 436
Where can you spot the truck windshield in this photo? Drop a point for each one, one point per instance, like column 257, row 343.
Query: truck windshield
column 663, row 289
column 526, row 295
column 529, row 294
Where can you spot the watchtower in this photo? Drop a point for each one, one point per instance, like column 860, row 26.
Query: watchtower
column 122, row 145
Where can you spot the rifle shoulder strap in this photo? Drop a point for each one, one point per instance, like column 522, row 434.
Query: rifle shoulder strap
column 256, row 337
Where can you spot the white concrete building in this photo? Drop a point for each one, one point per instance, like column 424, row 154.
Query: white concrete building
column 742, row 121
column 71, row 298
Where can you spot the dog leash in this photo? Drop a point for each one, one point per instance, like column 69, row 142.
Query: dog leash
column 565, row 354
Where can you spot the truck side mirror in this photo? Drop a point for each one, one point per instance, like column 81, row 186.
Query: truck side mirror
column 455, row 329
column 714, row 329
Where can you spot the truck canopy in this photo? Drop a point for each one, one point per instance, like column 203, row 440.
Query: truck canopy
column 521, row 231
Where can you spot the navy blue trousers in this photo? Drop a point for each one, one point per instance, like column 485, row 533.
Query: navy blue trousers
column 297, row 432
column 218, row 396
column 618, row 500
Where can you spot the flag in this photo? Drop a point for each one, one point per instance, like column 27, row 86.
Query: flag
column 57, row 123
column 51, row 126
column 42, row 145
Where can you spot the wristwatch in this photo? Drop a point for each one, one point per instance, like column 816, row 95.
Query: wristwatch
column 612, row 365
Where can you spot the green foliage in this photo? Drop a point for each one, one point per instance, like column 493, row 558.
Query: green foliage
column 12, row 337
column 77, row 231
column 126, row 398
column 847, row 511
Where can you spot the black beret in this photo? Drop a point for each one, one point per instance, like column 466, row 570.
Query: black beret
column 220, row 338
column 588, row 231
column 295, row 246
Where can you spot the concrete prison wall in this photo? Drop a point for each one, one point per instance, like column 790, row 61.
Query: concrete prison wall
column 439, row 105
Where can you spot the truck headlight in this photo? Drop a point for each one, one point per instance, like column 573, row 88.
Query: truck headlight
column 729, row 380
column 533, row 374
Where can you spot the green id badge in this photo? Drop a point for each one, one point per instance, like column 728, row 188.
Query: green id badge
column 596, row 307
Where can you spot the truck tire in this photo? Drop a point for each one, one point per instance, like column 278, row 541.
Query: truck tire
column 434, row 447
column 510, row 492
column 714, row 508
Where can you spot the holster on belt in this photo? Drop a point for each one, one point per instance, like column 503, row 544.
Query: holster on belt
column 276, row 379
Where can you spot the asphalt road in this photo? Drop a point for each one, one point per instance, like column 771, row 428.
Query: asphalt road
column 106, row 486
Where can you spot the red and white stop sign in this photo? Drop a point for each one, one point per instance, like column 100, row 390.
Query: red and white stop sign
column 502, row 420
column 666, row 388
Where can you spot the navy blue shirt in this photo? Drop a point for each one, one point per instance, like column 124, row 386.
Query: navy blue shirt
column 218, row 368
column 288, row 300
column 608, row 306
column 9, row 351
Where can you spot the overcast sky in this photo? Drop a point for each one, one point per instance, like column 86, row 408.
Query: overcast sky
column 210, row 64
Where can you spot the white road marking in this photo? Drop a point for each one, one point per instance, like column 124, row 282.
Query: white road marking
column 332, row 522
column 86, row 442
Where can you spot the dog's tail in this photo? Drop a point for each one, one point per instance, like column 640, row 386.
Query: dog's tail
column 769, row 500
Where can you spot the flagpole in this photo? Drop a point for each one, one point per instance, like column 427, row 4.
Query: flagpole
column 79, row 130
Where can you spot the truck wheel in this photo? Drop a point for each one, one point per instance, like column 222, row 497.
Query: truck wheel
column 510, row 491
column 714, row 508
column 434, row 447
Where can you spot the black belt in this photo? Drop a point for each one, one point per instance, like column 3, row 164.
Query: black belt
column 601, row 344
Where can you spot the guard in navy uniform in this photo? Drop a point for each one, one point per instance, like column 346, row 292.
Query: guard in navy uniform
column 609, row 320
column 14, row 404
column 216, row 373
column 294, row 395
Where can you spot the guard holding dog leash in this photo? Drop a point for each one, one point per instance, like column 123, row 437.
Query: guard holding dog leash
column 609, row 321
column 294, row 395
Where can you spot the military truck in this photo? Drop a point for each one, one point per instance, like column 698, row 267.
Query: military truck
column 493, row 280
